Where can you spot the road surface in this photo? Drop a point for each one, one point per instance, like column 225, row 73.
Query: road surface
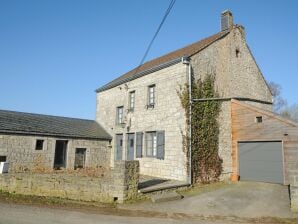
column 24, row 214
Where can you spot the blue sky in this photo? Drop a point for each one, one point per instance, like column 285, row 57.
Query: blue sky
column 55, row 53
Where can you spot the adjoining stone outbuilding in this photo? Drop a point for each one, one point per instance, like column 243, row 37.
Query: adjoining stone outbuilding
column 33, row 142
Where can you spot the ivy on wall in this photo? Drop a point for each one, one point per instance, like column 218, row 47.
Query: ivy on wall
column 206, row 163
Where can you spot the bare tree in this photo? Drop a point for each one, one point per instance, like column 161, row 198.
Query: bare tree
column 291, row 112
column 279, row 103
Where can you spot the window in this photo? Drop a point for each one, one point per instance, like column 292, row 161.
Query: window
column 120, row 115
column 39, row 144
column 155, row 144
column 151, row 96
column 259, row 119
column 151, row 144
column 2, row 158
column 132, row 101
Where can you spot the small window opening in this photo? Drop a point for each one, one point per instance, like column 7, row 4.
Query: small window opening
column 2, row 158
column 115, row 199
column 237, row 53
column 39, row 144
column 259, row 119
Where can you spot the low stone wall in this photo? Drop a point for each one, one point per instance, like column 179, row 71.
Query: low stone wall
column 294, row 192
column 119, row 185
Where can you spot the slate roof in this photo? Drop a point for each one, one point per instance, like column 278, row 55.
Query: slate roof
column 187, row 51
column 45, row 125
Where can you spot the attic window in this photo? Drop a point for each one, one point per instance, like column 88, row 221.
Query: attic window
column 237, row 51
column 259, row 119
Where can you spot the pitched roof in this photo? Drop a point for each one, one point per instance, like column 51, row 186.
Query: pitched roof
column 166, row 60
column 267, row 112
column 45, row 125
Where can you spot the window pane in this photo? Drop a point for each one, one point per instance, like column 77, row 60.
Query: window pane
column 149, row 144
column 154, row 144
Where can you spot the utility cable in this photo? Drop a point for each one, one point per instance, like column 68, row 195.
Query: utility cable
column 156, row 33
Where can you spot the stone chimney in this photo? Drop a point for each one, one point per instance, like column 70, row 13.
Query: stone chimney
column 226, row 20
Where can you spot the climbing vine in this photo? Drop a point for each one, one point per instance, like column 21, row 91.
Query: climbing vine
column 206, row 163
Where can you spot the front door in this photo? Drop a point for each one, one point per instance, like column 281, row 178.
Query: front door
column 60, row 154
column 130, row 146
column 119, row 146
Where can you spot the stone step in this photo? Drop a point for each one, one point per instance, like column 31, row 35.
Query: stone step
column 166, row 196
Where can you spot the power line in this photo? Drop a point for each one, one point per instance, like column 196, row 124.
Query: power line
column 157, row 31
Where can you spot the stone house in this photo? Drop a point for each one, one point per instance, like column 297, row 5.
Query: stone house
column 142, row 110
column 34, row 141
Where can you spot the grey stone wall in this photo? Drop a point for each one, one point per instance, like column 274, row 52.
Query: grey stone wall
column 235, row 76
column 119, row 185
column 167, row 115
column 22, row 156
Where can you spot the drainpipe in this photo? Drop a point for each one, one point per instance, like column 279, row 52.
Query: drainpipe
column 186, row 61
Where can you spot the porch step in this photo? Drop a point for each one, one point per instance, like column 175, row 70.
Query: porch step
column 156, row 188
column 166, row 196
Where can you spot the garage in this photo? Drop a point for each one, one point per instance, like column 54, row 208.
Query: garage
column 261, row 161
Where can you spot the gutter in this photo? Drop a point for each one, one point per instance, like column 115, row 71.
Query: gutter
column 232, row 98
column 186, row 61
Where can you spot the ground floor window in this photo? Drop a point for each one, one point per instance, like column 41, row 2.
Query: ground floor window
column 151, row 144
column 155, row 144
column 2, row 158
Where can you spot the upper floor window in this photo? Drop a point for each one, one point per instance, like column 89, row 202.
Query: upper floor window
column 151, row 96
column 120, row 117
column 132, row 100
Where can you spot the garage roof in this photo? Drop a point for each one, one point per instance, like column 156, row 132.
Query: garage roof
column 46, row 125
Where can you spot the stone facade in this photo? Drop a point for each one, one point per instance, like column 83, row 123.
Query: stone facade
column 236, row 75
column 21, row 154
column 167, row 115
column 119, row 185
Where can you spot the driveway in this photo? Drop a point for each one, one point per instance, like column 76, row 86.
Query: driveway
column 242, row 199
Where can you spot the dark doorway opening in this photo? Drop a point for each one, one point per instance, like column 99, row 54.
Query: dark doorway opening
column 80, row 158
column 60, row 154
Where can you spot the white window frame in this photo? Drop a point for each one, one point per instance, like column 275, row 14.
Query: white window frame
column 151, row 95
column 132, row 100
column 120, row 115
column 151, row 144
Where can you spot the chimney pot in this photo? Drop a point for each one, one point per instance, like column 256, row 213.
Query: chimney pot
column 226, row 20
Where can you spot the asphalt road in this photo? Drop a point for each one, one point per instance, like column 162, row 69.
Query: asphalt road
column 24, row 214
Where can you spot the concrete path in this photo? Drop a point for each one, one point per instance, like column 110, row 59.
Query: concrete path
column 243, row 199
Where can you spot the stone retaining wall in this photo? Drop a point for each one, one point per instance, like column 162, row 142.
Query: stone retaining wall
column 119, row 185
column 294, row 192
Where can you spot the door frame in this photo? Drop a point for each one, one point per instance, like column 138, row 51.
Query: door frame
column 116, row 146
column 64, row 165
column 128, row 144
